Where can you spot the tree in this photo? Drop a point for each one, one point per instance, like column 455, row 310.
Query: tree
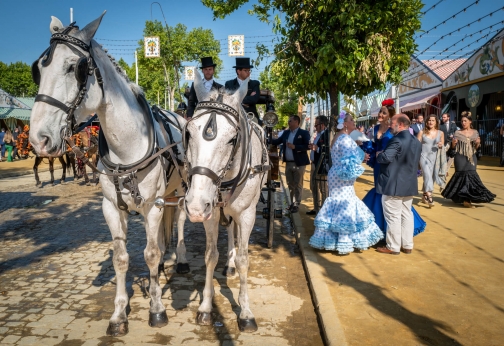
column 16, row 79
column 286, row 102
column 347, row 46
column 177, row 45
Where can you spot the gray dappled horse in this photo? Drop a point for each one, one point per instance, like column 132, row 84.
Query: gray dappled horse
column 77, row 78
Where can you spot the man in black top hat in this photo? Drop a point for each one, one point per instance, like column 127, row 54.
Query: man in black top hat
column 208, row 69
column 242, row 73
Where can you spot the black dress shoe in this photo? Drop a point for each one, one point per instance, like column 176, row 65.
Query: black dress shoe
column 311, row 212
column 294, row 209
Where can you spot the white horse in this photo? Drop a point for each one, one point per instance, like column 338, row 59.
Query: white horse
column 221, row 145
column 77, row 78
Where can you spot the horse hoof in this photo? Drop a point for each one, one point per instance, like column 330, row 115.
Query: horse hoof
column 158, row 320
column 37, row 183
column 182, row 268
column 229, row 271
column 247, row 325
column 204, row 318
column 117, row 329
column 62, row 182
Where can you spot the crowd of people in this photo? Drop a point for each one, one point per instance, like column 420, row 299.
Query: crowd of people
column 14, row 143
column 399, row 153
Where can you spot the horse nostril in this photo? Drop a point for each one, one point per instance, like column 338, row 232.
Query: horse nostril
column 207, row 206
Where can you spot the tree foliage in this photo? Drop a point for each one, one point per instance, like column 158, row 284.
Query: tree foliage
column 16, row 79
column 348, row 46
column 286, row 101
column 177, row 45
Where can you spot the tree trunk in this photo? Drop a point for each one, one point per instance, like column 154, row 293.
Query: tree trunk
column 168, row 86
column 334, row 98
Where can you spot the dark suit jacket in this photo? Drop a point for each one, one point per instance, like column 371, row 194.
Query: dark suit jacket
column 301, row 141
column 416, row 129
column 447, row 133
column 192, row 100
column 323, row 145
column 250, row 101
column 398, row 166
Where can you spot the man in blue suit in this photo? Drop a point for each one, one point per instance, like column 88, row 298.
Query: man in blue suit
column 295, row 141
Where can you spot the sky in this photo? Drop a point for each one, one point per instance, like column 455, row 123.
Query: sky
column 25, row 32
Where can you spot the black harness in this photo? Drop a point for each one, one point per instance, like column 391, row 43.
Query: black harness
column 241, row 141
column 85, row 67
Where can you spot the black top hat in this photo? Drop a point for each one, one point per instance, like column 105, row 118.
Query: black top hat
column 243, row 63
column 207, row 62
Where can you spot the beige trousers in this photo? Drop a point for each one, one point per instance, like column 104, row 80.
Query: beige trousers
column 400, row 223
column 294, row 176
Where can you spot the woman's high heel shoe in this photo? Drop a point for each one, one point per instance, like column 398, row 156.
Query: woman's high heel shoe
column 468, row 205
column 430, row 201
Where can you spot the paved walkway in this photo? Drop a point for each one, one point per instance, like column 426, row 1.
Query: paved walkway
column 448, row 292
column 57, row 281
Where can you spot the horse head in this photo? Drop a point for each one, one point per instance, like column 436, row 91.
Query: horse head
column 68, row 85
column 211, row 145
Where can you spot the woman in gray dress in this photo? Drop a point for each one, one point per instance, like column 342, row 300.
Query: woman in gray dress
column 432, row 140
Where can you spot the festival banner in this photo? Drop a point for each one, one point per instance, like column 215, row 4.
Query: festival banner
column 151, row 47
column 189, row 72
column 236, row 45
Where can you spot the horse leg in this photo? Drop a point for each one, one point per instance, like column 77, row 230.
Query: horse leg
column 165, row 240
column 51, row 169
column 182, row 265
column 152, row 254
column 38, row 160
column 246, row 321
column 117, row 222
column 204, row 316
column 230, row 268
column 63, row 164
column 86, row 177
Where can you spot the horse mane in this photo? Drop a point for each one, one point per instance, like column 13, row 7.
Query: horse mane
column 136, row 89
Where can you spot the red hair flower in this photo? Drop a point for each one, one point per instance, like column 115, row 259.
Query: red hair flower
column 387, row 102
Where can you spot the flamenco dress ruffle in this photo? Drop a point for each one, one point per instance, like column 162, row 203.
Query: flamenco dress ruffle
column 344, row 222
column 467, row 186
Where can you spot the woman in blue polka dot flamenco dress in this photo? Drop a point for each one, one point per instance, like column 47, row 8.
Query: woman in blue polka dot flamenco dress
column 345, row 223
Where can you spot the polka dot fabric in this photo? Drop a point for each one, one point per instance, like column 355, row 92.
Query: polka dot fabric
column 344, row 222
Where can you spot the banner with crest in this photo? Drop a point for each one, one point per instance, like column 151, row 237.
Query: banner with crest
column 236, row 45
column 189, row 72
column 151, row 47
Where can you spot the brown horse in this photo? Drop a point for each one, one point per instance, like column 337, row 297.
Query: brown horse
column 89, row 145
column 64, row 165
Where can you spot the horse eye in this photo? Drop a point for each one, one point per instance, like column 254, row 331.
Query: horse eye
column 71, row 68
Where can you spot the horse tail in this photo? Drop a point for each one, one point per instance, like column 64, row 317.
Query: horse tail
column 68, row 163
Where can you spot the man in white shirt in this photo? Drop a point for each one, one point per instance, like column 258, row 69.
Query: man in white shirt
column 208, row 69
column 317, row 186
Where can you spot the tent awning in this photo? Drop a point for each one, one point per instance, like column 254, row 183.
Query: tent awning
column 416, row 102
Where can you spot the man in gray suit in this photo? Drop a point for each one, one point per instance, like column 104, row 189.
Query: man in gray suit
column 398, row 184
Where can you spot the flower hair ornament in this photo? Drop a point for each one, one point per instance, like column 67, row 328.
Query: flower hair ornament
column 387, row 103
column 341, row 120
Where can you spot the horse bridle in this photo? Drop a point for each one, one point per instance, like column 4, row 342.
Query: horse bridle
column 85, row 67
column 209, row 133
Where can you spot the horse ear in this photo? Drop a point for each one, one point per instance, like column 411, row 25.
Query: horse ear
column 56, row 25
column 242, row 91
column 199, row 87
column 89, row 30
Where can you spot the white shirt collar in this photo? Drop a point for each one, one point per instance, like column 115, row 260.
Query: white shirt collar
column 240, row 82
column 208, row 84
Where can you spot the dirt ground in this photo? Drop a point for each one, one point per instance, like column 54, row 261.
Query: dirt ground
column 447, row 292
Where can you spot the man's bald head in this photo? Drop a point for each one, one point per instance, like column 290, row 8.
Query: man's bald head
column 399, row 122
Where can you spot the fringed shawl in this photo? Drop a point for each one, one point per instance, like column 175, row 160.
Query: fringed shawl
column 465, row 145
